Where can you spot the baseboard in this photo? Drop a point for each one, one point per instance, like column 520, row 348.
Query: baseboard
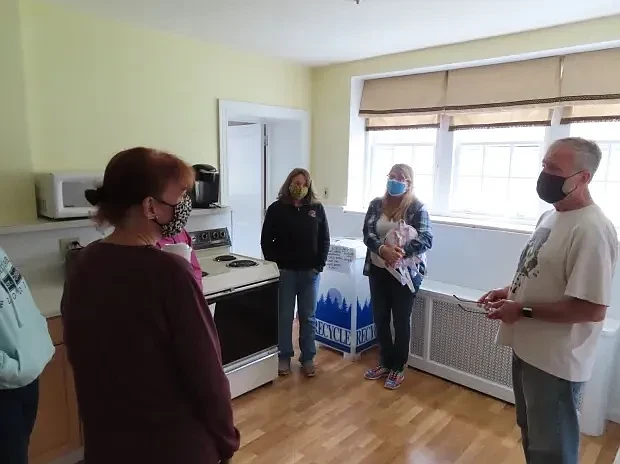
column 614, row 416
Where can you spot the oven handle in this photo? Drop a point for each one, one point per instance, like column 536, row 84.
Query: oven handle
column 232, row 290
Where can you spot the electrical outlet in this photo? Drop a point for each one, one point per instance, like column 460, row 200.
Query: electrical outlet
column 65, row 244
column 325, row 193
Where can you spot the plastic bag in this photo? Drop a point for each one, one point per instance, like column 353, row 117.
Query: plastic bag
column 399, row 237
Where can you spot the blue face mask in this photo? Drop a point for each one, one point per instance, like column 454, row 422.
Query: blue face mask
column 396, row 187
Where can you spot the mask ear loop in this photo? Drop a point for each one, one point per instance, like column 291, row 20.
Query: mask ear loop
column 575, row 188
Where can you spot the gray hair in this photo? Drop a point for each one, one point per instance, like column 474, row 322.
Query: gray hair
column 587, row 153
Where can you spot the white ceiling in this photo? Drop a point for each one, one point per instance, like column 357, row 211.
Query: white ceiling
column 318, row 32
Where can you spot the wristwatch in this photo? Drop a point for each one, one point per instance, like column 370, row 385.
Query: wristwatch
column 527, row 312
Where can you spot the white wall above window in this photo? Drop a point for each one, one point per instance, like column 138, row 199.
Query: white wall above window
column 485, row 175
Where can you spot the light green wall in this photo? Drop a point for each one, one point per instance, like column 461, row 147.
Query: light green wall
column 331, row 87
column 96, row 86
column 16, row 189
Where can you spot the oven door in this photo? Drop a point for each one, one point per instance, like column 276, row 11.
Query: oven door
column 246, row 320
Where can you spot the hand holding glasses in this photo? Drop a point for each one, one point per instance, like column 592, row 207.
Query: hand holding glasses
column 478, row 304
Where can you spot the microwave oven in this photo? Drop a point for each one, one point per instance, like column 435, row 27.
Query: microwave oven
column 60, row 195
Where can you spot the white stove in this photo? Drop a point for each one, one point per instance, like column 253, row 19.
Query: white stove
column 242, row 293
column 226, row 271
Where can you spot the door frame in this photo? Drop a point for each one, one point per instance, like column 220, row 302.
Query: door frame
column 252, row 112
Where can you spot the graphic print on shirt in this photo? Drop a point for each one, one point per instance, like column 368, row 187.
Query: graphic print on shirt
column 528, row 262
column 10, row 280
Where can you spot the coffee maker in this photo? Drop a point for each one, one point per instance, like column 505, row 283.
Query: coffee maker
column 206, row 190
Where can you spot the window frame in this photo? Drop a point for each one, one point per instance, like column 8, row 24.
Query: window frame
column 369, row 157
column 445, row 163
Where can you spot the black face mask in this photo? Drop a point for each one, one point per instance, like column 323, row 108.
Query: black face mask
column 550, row 188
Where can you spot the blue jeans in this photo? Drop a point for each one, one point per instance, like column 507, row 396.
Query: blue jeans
column 303, row 286
column 546, row 409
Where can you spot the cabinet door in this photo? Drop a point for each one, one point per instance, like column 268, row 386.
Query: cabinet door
column 57, row 429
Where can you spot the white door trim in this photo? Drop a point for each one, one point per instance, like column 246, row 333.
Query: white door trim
column 252, row 112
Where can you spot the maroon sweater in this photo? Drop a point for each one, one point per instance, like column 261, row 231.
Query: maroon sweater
column 146, row 360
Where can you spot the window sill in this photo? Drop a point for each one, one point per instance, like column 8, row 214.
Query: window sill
column 474, row 223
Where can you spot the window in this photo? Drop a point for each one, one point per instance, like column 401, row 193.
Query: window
column 414, row 147
column 495, row 172
column 486, row 174
column 605, row 186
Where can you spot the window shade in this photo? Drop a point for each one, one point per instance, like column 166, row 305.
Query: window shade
column 591, row 76
column 418, row 121
column 508, row 118
column 404, row 95
column 504, row 85
column 609, row 111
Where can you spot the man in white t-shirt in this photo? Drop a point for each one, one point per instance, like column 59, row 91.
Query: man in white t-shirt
column 553, row 312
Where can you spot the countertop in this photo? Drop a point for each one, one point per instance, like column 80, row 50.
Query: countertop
column 40, row 225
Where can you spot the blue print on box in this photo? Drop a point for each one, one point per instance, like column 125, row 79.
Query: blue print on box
column 365, row 333
column 333, row 314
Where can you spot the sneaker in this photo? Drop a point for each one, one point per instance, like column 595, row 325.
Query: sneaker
column 284, row 367
column 308, row 368
column 395, row 378
column 376, row 373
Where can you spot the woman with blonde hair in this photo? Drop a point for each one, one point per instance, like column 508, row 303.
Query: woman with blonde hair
column 295, row 235
column 392, row 302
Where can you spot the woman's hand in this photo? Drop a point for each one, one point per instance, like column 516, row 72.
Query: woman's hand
column 391, row 254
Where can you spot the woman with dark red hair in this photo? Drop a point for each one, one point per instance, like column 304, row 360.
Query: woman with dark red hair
column 139, row 334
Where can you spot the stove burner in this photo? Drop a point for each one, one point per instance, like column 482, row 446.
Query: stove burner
column 242, row 263
column 205, row 274
column 223, row 258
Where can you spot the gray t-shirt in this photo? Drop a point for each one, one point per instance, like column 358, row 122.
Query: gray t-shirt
column 571, row 254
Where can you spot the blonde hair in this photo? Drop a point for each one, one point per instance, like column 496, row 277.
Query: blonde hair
column 396, row 211
column 284, row 195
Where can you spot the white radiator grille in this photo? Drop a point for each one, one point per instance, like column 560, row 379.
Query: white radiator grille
column 418, row 327
column 466, row 342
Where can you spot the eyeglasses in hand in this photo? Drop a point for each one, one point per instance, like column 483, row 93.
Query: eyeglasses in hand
column 471, row 302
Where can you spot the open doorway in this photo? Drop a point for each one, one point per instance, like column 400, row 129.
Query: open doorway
column 259, row 146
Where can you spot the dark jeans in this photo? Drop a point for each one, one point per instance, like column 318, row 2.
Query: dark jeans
column 547, row 414
column 18, row 411
column 392, row 301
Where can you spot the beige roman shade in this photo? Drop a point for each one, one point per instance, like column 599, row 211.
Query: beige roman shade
column 403, row 102
column 503, row 95
column 591, row 86
column 508, row 118
column 524, row 83
column 591, row 76
column 416, row 121
column 609, row 111
column 403, row 95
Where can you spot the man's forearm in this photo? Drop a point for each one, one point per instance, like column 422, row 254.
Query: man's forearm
column 570, row 311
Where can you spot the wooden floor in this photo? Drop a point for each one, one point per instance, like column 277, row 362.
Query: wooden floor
column 338, row 417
